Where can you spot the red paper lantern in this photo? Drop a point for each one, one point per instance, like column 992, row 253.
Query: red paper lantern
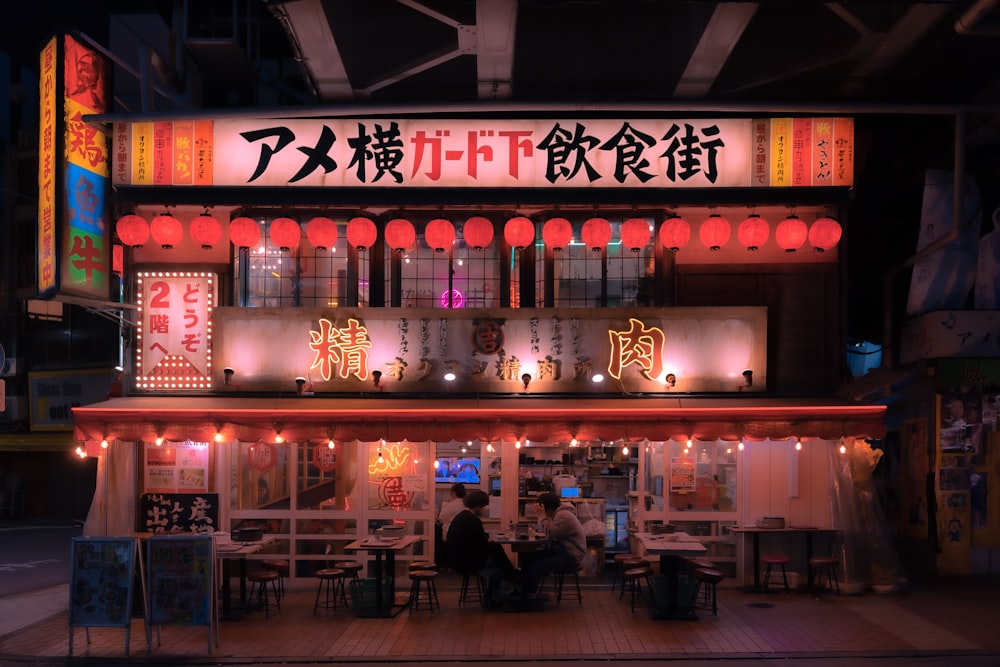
column 439, row 234
column 753, row 232
column 715, row 232
column 322, row 233
column 791, row 233
column 285, row 233
column 361, row 233
column 478, row 232
column 675, row 233
column 400, row 235
column 519, row 232
column 166, row 231
column 596, row 233
column 206, row 231
column 824, row 234
column 244, row 232
column 635, row 234
column 557, row 233
column 133, row 230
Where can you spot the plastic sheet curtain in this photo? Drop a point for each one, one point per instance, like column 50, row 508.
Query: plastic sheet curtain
column 866, row 549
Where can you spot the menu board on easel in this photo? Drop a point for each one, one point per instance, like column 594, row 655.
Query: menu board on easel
column 181, row 581
column 100, row 587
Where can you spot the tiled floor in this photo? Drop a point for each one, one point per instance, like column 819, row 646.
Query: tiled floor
column 947, row 615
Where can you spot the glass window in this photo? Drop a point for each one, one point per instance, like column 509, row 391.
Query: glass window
column 327, row 478
column 703, row 477
column 397, row 479
column 304, row 276
column 260, row 476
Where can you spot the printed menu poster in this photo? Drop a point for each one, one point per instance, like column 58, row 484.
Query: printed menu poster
column 681, row 473
column 177, row 467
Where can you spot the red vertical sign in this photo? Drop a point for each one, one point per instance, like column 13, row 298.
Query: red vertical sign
column 801, row 152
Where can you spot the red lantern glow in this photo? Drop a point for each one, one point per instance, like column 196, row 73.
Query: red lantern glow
column 478, row 232
column 166, row 231
column 715, row 232
column 557, row 233
column 133, row 230
column 675, row 233
column 206, row 231
column 117, row 258
column 635, row 234
column 322, row 233
column 244, row 232
column 753, row 232
column 596, row 233
column 439, row 234
column 791, row 233
column 400, row 235
column 824, row 234
column 361, row 233
column 285, row 233
column 519, row 232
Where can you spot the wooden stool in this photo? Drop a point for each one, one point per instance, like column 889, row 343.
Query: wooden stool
column 426, row 593
column 259, row 581
column 771, row 561
column 351, row 567
column 702, row 564
column 423, row 565
column 619, row 567
column 279, row 566
column 331, row 582
column 633, row 579
column 709, row 579
column 820, row 566
column 477, row 594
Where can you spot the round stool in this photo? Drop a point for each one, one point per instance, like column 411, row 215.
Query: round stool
column 475, row 594
column 422, row 565
column 423, row 590
column 351, row 567
column 771, row 562
column 633, row 579
column 258, row 581
column 709, row 578
column 279, row 566
column 331, row 588
column 619, row 569
column 820, row 566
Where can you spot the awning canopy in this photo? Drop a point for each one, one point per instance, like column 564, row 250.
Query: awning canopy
column 317, row 419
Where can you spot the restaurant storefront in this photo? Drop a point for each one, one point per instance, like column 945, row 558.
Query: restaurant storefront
column 328, row 310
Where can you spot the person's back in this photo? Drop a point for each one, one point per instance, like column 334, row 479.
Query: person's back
column 467, row 543
column 565, row 529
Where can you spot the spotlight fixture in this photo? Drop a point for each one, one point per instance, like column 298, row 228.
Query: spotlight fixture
column 748, row 377
column 300, row 385
column 526, row 380
column 228, row 372
column 377, row 379
column 670, row 380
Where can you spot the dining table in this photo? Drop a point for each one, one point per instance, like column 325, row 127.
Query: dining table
column 755, row 532
column 384, row 549
column 673, row 550
column 228, row 552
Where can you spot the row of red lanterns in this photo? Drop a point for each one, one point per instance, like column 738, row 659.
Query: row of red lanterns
column 519, row 232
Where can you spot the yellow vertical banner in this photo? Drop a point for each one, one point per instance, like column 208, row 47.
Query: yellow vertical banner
column 802, row 129
column 822, row 152
column 142, row 153
column 121, row 154
column 781, row 156
column 47, row 172
column 760, row 163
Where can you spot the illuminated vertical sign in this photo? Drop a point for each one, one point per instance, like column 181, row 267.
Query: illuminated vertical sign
column 174, row 335
column 47, row 173
column 85, row 255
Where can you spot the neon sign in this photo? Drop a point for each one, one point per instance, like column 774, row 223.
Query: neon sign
column 640, row 346
column 345, row 348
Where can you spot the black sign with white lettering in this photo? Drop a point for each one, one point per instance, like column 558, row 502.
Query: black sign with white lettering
column 179, row 513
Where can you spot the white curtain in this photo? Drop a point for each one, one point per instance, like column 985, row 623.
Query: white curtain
column 112, row 511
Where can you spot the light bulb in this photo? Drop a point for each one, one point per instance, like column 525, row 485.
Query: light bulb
column 159, row 440
column 798, row 445
column 331, row 444
column 843, row 449
column 104, row 443
column 740, row 446
column 624, row 450
column 517, row 445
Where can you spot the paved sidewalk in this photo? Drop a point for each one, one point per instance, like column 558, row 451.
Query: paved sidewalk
column 943, row 617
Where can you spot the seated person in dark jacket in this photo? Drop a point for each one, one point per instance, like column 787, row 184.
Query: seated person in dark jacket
column 470, row 550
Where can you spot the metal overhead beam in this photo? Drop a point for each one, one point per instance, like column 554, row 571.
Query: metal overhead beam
column 316, row 49
column 495, row 27
column 723, row 31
